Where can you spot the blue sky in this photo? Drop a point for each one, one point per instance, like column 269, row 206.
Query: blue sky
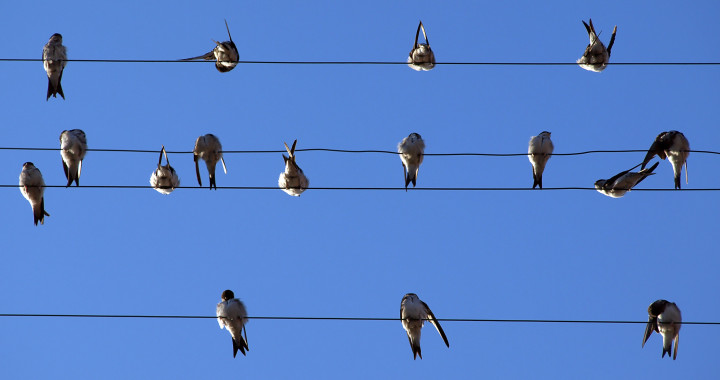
column 495, row 254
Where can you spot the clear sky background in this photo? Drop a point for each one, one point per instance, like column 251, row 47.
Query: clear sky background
column 483, row 254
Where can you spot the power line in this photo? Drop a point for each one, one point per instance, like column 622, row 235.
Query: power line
column 364, row 62
column 361, row 188
column 476, row 320
column 357, row 151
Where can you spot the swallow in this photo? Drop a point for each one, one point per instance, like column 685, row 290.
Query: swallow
column 73, row 146
column 539, row 152
column 32, row 188
column 231, row 314
column 414, row 313
column 164, row 179
column 54, row 60
column 412, row 152
column 292, row 181
column 225, row 54
column 421, row 56
column 208, row 148
column 664, row 318
column 623, row 182
column 676, row 147
column 596, row 57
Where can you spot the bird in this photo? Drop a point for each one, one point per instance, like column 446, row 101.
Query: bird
column 231, row 314
column 54, row 61
column 413, row 313
column 208, row 148
column 596, row 57
column 623, row 182
column 32, row 188
column 73, row 146
column 225, row 54
column 292, row 181
column 664, row 318
column 164, row 179
column 421, row 56
column 676, row 147
column 412, row 152
column 540, row 150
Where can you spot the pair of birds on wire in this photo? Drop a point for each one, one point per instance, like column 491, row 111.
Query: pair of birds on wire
column 225, row 54
column 663, row 317
column 232, row 315
column 595, row 57
column 672, row 145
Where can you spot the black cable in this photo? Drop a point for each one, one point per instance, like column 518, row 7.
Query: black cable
column 360, row 62
column 156, row 151
column 360, row 188
column 340, row 318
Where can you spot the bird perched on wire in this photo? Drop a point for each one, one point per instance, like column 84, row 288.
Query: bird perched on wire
column 421, row 56
column 164, row 179
column 412, row 152
column 231, row 314
column 225, row 54
column 414, row 313
column 621, row 183
column 676, row 148
column 32, row 187
column 54, row 61
column 292, row 181
column 73, row 146
column 540, row 150
column 596, row 56
column 664, row 318
column 208, row 148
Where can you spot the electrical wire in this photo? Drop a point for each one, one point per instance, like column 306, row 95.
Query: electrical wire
column 478, row 320
column 358, row 188
column 357, row 151
column 363, row 62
